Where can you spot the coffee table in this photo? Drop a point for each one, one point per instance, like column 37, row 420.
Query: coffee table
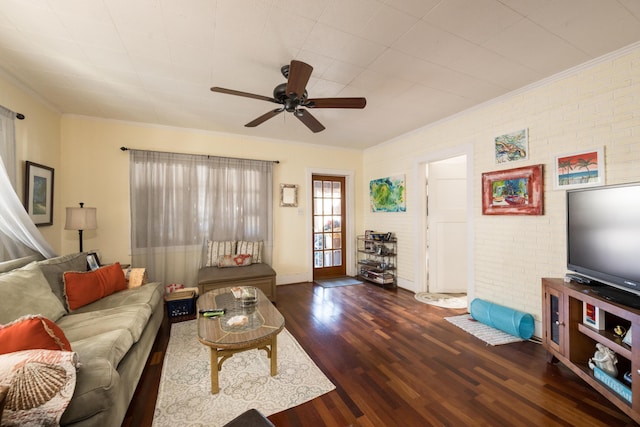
column 263, row 324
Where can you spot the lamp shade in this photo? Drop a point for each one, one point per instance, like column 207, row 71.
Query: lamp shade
column 81, row 219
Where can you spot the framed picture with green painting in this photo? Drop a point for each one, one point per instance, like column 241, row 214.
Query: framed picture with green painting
column 388, row 194
column 38, row 193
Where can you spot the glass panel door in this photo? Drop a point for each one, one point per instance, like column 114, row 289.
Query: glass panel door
column 329, row 252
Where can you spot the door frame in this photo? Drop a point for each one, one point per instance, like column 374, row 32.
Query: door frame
column 420, row 221
column 349, row 183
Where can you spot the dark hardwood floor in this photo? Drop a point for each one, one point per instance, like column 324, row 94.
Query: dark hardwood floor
column 397, row 362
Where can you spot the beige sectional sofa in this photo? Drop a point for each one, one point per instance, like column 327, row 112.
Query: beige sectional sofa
column 112, row 336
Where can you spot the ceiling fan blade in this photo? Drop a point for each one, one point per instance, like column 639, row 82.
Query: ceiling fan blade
column 336, row 103
column 263, row 118
column 311, row 122
column 299, row 75
column 245, row 94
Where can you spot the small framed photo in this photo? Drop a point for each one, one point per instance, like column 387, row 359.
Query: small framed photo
column 592, row 317
column 513, row 192
column 38, row 193
column 93, row 262
column 582, row 169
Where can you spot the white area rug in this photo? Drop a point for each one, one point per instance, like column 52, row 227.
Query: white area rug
column 486, row 333
column 442, row 300
column 184, row 396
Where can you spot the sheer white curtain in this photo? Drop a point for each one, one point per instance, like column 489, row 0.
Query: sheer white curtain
column 178, row 201
column 18, row 234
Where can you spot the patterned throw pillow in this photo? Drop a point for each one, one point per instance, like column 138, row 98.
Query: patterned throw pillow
column 252, row 248
column 215, row 249
column 240, row 260
column 41, row 383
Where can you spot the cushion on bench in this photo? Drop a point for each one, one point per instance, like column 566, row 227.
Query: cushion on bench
column 210, row 275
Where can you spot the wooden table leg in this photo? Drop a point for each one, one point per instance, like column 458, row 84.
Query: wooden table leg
column 274, row 355
column 215, row 387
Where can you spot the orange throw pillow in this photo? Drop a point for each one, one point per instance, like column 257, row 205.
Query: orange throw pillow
column 32, row 332
column 82, row 288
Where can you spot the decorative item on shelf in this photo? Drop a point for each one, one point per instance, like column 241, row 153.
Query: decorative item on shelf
column 81, row 219
column 619, row 331
column 616, row 386
column 605, row 359
column 382, row 250
column 592, row 317
column 627, row 337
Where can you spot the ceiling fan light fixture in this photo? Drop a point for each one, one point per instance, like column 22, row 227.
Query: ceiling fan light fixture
column 293, row 94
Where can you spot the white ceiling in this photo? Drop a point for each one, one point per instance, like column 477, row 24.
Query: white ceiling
column 416, row 61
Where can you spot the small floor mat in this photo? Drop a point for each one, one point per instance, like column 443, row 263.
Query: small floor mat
column 488, row 334
column 443, row 300
column 337, row 281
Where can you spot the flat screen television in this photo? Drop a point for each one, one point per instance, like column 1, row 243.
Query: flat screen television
column 603, row 235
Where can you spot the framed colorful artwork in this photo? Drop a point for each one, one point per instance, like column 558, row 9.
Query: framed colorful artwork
column 388, row 194
column 511, row 147
column 513, row 191
column 38, row 193
column 582, row 169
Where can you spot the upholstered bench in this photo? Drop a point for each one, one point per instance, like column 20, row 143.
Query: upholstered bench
column 260, row 275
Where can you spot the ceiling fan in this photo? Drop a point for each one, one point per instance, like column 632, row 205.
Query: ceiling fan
column 292, row 95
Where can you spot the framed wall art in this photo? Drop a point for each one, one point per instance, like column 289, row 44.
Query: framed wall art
column 289, row 195
column 388, row 194
column 512, row 146
column 38, row 193
column 513, row 191
column 582, row 169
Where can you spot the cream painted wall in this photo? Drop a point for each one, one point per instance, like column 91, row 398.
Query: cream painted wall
column 37, row 140
column 96, row 173
column 583, row 109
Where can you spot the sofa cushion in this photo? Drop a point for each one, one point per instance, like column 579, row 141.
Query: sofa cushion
column 150, row 294
column 97, row 384
column 211, row 275
column 53, row 268
column 78, row 326
column 26, row 291
column 30, row 333
column 82, row 288
column 12, row 264
column 111, row 345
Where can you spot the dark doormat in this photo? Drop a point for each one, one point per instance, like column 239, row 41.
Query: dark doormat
column 334, row 282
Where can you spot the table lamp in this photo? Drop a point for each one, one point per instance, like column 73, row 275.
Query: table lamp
column 81, row 219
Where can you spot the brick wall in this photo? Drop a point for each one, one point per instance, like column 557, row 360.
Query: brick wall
column 595, row 105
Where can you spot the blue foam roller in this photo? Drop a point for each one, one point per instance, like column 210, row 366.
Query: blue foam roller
column 504, row 318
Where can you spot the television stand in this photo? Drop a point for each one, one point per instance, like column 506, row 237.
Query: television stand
column 571, row 339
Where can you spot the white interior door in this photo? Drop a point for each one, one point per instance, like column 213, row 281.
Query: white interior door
column 447, row 262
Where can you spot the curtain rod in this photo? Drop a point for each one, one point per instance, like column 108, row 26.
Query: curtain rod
column 234, row 158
